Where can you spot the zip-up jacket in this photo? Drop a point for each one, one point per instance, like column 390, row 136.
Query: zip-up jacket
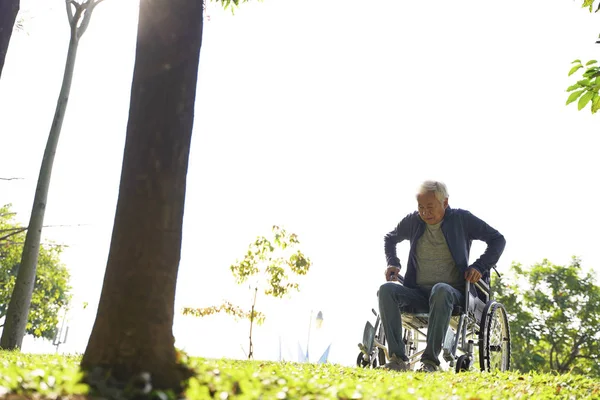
column 460, row 228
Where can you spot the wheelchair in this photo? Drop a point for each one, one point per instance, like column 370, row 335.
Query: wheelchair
column 481, row 322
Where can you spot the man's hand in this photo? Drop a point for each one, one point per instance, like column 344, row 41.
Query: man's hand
column 391, row 273
column 472, row 275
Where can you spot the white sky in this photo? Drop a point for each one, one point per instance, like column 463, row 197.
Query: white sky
column 322, row 117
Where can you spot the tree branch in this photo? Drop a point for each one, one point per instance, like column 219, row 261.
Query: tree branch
column 74, row 18
column 69, row 3
column 16, row 231
column 11, row 229
column 21, row 229
column 575, row 351
column 89, row 8
column 42, row 244
column 587, row 357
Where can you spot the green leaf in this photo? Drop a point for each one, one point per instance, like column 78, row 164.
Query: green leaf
column 588, row 4
column 583, row 82
column 573, row 87
column 583, row 100
column 589, row 73
column 595, row 103
column 574, row 69
column 591, row 62
column 574, row 96
column 576, row 61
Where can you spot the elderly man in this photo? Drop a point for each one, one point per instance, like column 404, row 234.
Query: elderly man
column 438, row 265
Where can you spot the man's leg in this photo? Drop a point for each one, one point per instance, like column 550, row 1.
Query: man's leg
column 392, row 296
column 442, row 300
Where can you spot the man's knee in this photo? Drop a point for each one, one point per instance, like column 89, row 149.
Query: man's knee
column 440, row 293
column 386, row 289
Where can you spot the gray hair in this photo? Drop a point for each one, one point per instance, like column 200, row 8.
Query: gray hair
column 439, row 188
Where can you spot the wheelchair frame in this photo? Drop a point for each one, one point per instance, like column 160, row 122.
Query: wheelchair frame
column 484, row 324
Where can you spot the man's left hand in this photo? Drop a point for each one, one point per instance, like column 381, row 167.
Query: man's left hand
column 472, row 275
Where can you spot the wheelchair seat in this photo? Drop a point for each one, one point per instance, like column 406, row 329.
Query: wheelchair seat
column 419, row 317
column 456, row 311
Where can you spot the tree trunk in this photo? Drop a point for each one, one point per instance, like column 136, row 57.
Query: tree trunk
column 133, row 328
column 18, row 308
column 8, row 15
column 250, row 345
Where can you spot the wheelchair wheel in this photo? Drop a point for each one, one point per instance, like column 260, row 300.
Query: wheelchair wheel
column 362, row 361
column 463, row 363
column 380, row 352
column 494, row 339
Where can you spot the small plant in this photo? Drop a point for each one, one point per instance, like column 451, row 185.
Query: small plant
column 272, row 262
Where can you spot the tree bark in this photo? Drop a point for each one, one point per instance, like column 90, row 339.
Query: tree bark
column 132, row 332
column 8, row 15
column 18, row 308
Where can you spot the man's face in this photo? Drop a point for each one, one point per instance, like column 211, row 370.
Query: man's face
column 431, row 209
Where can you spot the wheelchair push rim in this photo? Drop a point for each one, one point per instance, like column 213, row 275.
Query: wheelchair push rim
column 494, row 339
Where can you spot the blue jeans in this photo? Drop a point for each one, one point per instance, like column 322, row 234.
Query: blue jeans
column 439, row 303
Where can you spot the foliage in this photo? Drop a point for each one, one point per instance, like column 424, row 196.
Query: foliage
column 231, row 4
column 51, row 290
column 585, row 90
column 275, row 259
column 555, row 327
column 46, row 377
column 589, row 4
column 227, row 308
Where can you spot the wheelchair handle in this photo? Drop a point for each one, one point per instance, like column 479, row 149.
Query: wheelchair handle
column 483, row 286
column 399, row 277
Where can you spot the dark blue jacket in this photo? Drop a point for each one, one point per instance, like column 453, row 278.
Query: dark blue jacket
column 460, row 228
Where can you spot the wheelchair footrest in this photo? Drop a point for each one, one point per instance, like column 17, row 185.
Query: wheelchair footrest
column 368, row 338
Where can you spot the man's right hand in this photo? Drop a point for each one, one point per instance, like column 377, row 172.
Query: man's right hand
column 392, row 273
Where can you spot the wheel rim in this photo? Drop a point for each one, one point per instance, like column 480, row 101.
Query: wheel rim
column 463, row 364
column 497, row 339
column 361, row 362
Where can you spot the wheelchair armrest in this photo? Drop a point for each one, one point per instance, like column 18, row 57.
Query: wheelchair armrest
column 483, row 286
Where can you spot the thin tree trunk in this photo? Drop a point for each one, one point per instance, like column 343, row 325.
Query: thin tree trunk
column 8, row 15
column 18, row 308
column 251, row 346
column 133, row 328
column 566, row 365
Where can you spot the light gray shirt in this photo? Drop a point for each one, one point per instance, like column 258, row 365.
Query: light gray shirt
column 434, row 260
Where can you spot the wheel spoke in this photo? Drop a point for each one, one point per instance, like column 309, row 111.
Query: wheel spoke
column 497, row 339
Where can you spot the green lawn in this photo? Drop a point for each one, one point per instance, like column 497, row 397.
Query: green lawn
column 50, row 376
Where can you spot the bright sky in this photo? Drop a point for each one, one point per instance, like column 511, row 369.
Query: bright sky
column 322, row 117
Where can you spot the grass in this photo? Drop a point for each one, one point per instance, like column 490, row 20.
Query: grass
column 53, row 377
